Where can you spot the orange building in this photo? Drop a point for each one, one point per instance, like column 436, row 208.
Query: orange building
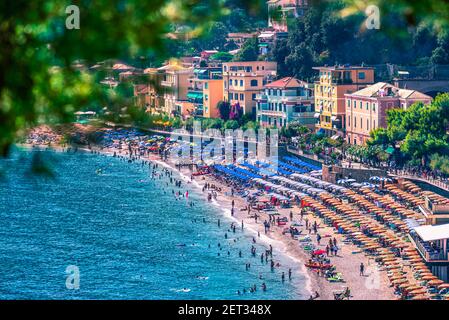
column 334, row 82
column 242, row 81
column 212, row 95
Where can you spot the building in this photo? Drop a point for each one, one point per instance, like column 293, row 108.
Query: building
column 239, row 38
column 242, row 81
column 206, row 54
column 280, row 10
column 435, row 212
column 149, row 94
column 334, row 82
column 432, row 243
column 203, row 89
column 284, row 101
column 212, row 95
column 367, row 108
column 267, row 39
column 175, row 84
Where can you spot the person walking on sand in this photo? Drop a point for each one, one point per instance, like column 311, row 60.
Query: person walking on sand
column 283, row 277
column 362, row 269
column 318, row 238
column 291, row 215
column 290, row 274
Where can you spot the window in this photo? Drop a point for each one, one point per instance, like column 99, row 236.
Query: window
column 230, row 96
column 254, row 96
column 361, row 123
column 361, row 105
column 206, row 85
column 235, row 82
column 362, row 75
column 355, row 122
column 374, row 107
column 230, row 82
column 254, row 83
column 242, row 97
column 349, row 103
column 367, row 106
column 206, row 97
column 367, row 124
column 241, row 83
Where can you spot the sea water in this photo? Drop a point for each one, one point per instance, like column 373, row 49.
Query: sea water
column 125, row 236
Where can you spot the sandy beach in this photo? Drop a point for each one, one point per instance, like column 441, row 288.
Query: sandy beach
column 373, row 285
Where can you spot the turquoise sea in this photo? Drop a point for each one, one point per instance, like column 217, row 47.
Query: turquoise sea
column 126, row 233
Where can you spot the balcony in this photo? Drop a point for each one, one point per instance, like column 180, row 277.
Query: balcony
column 272, row 113
column 431, row 252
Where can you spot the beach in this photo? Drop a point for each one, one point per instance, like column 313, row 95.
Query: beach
column 374, row 282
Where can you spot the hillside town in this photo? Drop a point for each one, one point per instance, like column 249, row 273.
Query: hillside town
column 353, row 203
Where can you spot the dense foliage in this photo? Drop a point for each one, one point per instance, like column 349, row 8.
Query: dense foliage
column 334, row 32
column 416, row 133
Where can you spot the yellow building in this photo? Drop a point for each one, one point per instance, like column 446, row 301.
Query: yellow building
column 334, row 82
column 176, row 81
column 212, row 95
column 242, row 81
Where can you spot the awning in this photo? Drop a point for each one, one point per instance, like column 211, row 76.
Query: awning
column 194, row 95
column 334, row 118
column 316, row 115
column 432, row 233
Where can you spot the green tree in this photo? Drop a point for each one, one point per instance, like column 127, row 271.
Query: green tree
column 231, row 124
column 222, row 56
column 224, row 108
column 249, row 51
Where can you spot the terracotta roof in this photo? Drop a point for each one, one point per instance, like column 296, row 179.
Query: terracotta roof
column 376, row 90
column 288, row 82
column 141, row 89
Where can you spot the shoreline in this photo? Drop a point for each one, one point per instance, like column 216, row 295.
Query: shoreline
column 283, row 244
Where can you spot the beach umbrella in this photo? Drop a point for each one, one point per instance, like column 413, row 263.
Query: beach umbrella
column 443, row 286
column 435, row 282
column 399, row 281
column 420, row 297
column 426, row 278
column 418, row 291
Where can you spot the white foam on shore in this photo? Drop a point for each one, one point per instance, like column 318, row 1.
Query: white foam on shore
column 277, row 244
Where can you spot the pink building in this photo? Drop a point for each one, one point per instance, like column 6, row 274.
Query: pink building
column 366, row 109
